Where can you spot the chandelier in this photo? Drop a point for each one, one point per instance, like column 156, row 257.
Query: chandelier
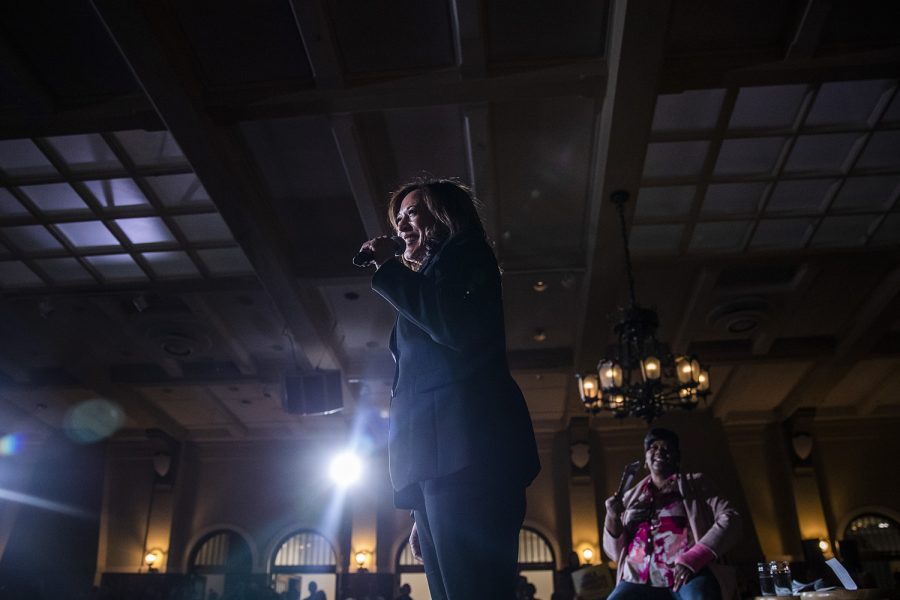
column 641, row 378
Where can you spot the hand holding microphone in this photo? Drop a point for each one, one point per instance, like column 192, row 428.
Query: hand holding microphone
column 378, row 250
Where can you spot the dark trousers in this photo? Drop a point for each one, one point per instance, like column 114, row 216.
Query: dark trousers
column 702, row 586
column 468, row 527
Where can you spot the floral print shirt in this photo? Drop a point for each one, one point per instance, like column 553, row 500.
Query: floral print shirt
column 658, row 539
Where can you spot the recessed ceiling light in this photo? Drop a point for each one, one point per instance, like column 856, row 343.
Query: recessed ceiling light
column 540, row 285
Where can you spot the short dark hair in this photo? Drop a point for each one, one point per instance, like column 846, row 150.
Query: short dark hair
column 660, row 433
column 451, row 202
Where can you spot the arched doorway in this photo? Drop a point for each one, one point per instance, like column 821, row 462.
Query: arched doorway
column 223, row 558
column 302, row 557
column 875, row 538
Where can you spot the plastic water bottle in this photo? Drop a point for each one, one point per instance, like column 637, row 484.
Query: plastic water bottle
column 781, row 574
column 766, row 583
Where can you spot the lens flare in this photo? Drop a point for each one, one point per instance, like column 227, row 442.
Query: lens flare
column 10, row 444
column 93, row 420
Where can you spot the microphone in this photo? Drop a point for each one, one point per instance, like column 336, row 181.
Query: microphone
column 364, row 258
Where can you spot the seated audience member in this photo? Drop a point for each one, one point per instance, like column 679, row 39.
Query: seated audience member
column 666, row 531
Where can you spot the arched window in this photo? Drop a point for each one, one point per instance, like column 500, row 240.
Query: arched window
column 304, row 557
column 224, row 558
column 876, row 539
column 536, row 561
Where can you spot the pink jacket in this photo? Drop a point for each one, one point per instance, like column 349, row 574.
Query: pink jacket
column 714, row 524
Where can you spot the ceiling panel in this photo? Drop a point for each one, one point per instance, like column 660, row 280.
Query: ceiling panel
column 10, row 205
column 55, row 198
column 826, row 152
column 760, row 387
column 748, row 156
column 244, row 43
column 82, row 61
column 64, row 270
column 183, row 189
column 848, row 231
column 527, row 30
column 116, row 193
column 888, row 233
column 867, row 193
column 692, row 110
column 427, row 140
column 847, row 102
column 22, row 158
column 806, row 196
column 151, row 148
column 15, row 274
column 655, row 239
column 298, row 157
column 781, row 234
column 767, row 107
column 882, row 151
column 675, row 159
column 392, row 35
column 732, row 199
column 117, row 267
column 729, row 236
column 668, row 203
column 542, row 177
column 31, row 238
column 87, row 152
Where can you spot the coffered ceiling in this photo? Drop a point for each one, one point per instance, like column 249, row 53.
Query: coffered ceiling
column 183, row 184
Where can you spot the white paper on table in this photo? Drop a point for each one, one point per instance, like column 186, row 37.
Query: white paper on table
column 841, row 573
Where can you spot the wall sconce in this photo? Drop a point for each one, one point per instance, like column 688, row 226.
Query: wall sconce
column 587, row 553
column 153, row 559
column 802, row 443
column 162, row 463
column 361, row 557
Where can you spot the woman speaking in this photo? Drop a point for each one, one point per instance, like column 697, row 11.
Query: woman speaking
column 461, row 444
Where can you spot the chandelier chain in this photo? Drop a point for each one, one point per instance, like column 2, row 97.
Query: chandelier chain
column 619, row 198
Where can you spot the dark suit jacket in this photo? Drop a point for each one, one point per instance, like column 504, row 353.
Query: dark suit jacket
column 454, row 403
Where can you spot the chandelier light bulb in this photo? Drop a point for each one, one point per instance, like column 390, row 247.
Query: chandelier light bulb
column 683, row 369
column 703, row 381
column 587, row 387
column 651, row 368
column 695, row 370
column 617, row 375
column 606, row 374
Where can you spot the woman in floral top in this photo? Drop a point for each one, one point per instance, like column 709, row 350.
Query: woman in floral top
column 666, row 531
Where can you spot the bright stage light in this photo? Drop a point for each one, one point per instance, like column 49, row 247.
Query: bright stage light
column 346, row 469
